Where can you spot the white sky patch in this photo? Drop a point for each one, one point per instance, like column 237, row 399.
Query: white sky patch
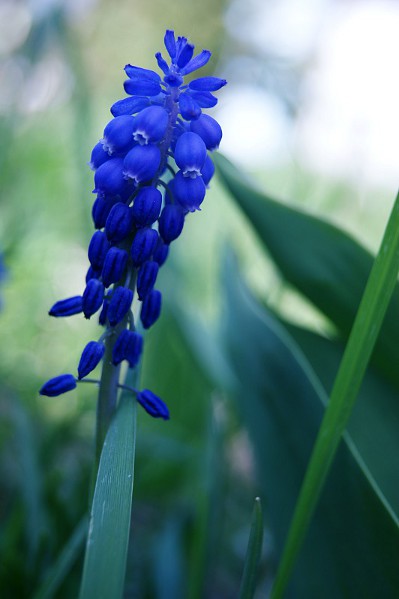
column 255, row 128
column 348, row 124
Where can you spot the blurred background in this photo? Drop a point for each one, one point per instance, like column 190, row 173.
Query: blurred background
column 310, row 111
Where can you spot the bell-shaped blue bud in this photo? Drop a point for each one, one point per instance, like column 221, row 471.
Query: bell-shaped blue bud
column 118, row 135
column 67, row 307
column 161, row 252
column 151, row 308
column 189, row 109
column 58, row 385
column 119, row 223
column 102, row 319
column 143, row 245
column 170, row 43
column 208, row 170
column 129, row 105
column 142, row 82
column 209, row 129
column 153, row 404
column 203, row 99
column 141, row 163
column 91, row 356
column 92, row 297
column 150, row 125
column 92, row 274
column 207, row 84
column 98, row 248
column 114, row 266
column 109, row 178
column 185, row 54
column 197, row 62
column 190, row 154
column 171, row 222
column 119, row 305
column 147, row 206
column 146, row 278
column 98, row 156
column 188, row 192
column 100, row 210
column 128, row 346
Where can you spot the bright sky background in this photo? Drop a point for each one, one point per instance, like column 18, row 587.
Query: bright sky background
column 347, row 123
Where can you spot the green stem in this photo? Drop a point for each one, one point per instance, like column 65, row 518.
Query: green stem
column 373, row 306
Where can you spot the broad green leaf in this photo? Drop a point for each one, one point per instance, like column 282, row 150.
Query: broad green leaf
column 254, row 550
column 352, row 545
column 374, row 423
column 325, row 264
column 108, row 537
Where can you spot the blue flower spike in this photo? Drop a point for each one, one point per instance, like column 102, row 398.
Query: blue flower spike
column 152, row 167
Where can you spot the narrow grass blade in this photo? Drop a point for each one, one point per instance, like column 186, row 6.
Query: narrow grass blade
column 254, row 550
column 107, row 542
column 361, row 342
column 64, row 562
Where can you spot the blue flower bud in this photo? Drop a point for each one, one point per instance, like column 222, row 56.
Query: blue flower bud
column 109, row 178
column 114, row 266
column 208, row 170
column 188, row 192
column 143, row 245
column 207, row 84
column 151, row 308
column 128, row 346
column 119, row 305
column 58, row 385
column 92, row 274
column 185, row 54
column 91, row 356
column 101, row 208
column 189, row 109
column 98, row 156
column 171, row 222
column 209, row 129
column 98, row 248
column 142, row 82
column 196, row 63
column 203, row 99
column 119, row 223
column 92, row 297
column 118, row 135
column 67, row 307
column 129, row 105
column 146, row 278
column 153, row 404
column 102, row 319
column 150, row 125
column 141, row 163
column 147, row 206
column 170, row 43
column 190, row 154
column 160, row 253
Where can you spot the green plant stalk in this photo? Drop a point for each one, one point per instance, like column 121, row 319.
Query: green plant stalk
column 254, row 550
column 366, row 327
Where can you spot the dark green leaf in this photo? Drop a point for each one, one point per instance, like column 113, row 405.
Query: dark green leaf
column 248, row 583
column 353, row 543
column 325, row 264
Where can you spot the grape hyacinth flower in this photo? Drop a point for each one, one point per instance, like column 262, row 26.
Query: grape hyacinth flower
column 152, row 167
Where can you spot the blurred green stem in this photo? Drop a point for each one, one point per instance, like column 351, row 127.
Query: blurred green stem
column 353, row 366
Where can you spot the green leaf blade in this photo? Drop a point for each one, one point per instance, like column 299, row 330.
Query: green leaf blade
column 108, row 537
column 254, row 550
